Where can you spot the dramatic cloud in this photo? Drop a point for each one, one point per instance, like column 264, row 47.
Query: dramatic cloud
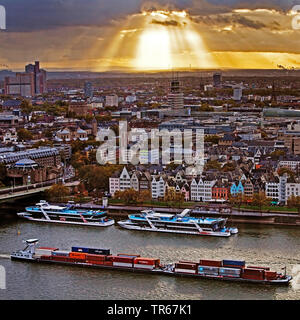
column 168, row 23
column 96, row 33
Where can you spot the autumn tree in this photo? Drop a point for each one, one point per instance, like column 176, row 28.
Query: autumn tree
column 57, row 192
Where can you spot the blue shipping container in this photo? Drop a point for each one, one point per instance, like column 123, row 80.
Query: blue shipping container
column 234, row 263
column 80, row 249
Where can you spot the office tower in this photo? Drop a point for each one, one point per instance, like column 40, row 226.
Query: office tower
column 217, row 80
column 237, row 93
column 175, row 97
column 40, row 77
column 88, row 90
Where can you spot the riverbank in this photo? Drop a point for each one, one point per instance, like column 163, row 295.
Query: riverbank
column 251, row 217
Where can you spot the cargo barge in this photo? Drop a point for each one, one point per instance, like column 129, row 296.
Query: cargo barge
column 183, row 223
column 225, row 270
column 68, row 214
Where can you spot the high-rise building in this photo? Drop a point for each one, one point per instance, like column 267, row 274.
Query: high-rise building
column 175, row 97
column 40, row 77
column 217, row 80
column 28, row 83
column 237, row 93
column 88, row 90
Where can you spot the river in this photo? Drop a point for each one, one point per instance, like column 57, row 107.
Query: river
column 258, row 245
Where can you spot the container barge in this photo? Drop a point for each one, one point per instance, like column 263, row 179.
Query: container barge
column 66, row 214
column 225, row 270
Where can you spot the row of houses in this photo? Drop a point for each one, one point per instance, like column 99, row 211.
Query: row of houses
column 202, row 189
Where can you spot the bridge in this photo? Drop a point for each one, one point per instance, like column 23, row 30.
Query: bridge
column 27, row 190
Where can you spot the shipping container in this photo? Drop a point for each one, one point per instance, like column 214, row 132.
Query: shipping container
column 234, row 263
column 211, row 263
column 188, row 271
column 60, row 253
column 128, row 255
column 147, row 261
column 108, row 263
column 78, row 255
column 46, row 248
column 44, row 252
column 80, row 249
column 104, row 252
column 96, row 257
column 230, row 272
column 253, row 271
column 262, row 268
column 144, row 266
column 122, row 264
column 208, row 270
column 122, row 259
column 187, row 266
column 253, row 276
column 188, row 262
column 91, row 250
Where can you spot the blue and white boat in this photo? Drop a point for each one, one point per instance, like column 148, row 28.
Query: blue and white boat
column 149, row 220
column 66, row 214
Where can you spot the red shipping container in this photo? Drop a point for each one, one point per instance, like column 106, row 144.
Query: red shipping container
column 253, row 276
column 129, row 255
column 189, row 262
column 77, row 255
column 95, row 257
column 253, row 271
column 259, row 268
column 146, row 261
column 108, row 263
column 46, row 248
column 122, row 259
column 211, row 263
column 187, row 266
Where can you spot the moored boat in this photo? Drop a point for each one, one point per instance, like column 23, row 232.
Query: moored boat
column 66, row 214
column 183, row 223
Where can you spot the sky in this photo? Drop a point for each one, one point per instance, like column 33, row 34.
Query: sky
column 143, row 35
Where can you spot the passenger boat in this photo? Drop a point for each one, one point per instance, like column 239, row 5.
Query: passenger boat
column 66, row 214
column 225, row 270
column 149, row 220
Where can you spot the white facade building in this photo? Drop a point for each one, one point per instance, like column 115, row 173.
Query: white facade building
column 202, row 190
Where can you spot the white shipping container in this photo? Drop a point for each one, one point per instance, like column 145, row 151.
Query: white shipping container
column 144, row 266
column 43, row 252
column 122, row 264
column 186, row 271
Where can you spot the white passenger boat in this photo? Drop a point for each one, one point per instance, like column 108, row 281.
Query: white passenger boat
column 149, row 220
column 68, row 214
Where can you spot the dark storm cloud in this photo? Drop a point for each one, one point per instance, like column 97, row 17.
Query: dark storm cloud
column 32, row 15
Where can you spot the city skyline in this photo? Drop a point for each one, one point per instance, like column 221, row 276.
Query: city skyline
column 143, row 35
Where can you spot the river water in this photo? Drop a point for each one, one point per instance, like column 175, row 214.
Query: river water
column 258, row 245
